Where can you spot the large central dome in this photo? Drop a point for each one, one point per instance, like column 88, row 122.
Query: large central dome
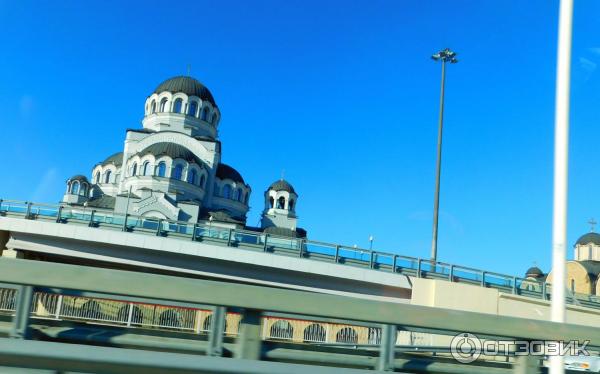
column 187, row 85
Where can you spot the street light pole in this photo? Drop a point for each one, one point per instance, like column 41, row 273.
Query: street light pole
column 444, row 56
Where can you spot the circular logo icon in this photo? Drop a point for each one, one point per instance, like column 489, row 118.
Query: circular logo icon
column 465, row 348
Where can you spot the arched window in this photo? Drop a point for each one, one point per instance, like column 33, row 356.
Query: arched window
column 192, row 176
column 146, row 168
column 178, row 105
column 227, row 191
column 75, row 188
column 107, row 176
column 572, row 285
column 281, row 203
column 291, row 204
column 347, row 335
column 314, row 333
column 163, row 105
column 202, row 180
column 236, row 194
column 153, row 106
column 178, row 172
column 204, row 114
column 271, row 201
column 97, row 178
column 208, row 323
column 169, row 318
column 134, row 169
column 214, row 118
column 246, row 197
column 161, row 170
column 192, row 109
column 84, row 189
column 281, row 330
column 91, row 309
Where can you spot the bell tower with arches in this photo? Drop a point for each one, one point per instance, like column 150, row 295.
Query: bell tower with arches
column 280, row 206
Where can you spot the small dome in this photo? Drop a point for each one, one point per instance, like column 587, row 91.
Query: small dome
column 282, row 185
column 225, row 171
column 116, row 159
column 534, row 272
column 188, row 86
column 589, row 238
column 79, row 177
column 172, row 150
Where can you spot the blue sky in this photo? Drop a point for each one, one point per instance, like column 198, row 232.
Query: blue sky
column 340, row 94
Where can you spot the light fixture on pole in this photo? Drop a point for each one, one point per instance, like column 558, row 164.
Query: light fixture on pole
column 371, row 242
column 444, row 56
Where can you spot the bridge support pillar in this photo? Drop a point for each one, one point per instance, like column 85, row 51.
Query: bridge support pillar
column 387, row 348
column 20, row 327
column 249, row 346
column 217, row 328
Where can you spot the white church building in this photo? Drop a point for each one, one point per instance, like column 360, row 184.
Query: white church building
column 171, row 169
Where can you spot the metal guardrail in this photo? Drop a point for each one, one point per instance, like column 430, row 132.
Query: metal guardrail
column 252, row 302
column 303, row 248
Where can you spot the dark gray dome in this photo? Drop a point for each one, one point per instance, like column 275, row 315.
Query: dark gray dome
column 172, row 150
column 187, row 85
column 116, row 159
column 225, row 171
column 282, row 185
column 79, row 177
column 534, row 272
column 590, row 237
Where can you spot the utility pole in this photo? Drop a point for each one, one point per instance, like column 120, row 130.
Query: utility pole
column 444, row 56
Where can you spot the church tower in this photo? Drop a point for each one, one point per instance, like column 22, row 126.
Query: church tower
column 280, row 207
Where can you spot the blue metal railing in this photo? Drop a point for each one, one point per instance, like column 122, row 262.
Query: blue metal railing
column 304, row 248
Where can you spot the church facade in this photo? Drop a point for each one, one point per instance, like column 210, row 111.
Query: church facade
column 583, row 272
column 171, row 169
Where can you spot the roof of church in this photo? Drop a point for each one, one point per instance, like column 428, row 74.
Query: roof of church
column 187, row 85
column 590, row 237
column 592, row 267
column 282, row 231
column 282, row 185
column 172, row 150
column 116, row 159
column 534, row 272
column 104, row 201
column 78, row 177
column 225, row 171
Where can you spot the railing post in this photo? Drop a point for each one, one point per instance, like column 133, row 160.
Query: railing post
column 159, row 228
column 387, row 347
column 59, row 214
column 28, row 212
column 266, row 239
column 514, row 290
column 249, row 341
column 130, row 315
column 337, row 254
column 394, row 263
column 58, row 307
column 451, row 274
column 483, row 279
column 20, row 326
column 301, row 241
column 91, row 224
column 372, row 260
column 419, row 268
column 217, row 328
column 125, row 222
column 194, row 232
column 229, row 237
